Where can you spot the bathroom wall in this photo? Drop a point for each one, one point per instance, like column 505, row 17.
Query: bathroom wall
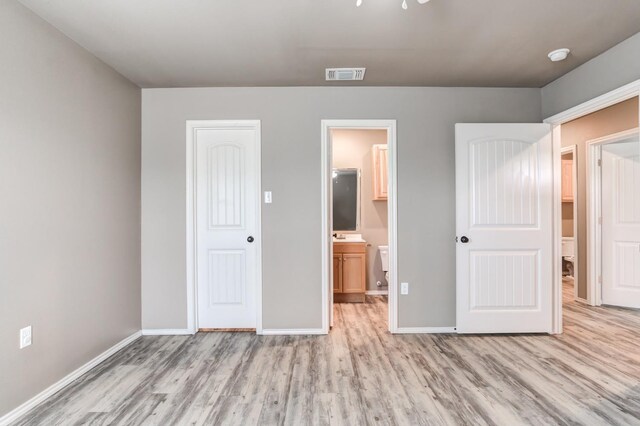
column 616, row 118
column 352, row 149
column 567, row 219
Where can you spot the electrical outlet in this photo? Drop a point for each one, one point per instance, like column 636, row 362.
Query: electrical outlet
column 25, row 337
column 267, row 197
column 404, row 288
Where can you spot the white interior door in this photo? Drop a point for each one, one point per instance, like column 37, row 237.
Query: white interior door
column 227, row 221
column 504, row 197
column 621, row 224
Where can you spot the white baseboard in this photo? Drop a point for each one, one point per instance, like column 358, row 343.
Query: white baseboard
column 425, row 330
column 167, row 332
column 377, row 292
column 21, row 410
column 292, row 331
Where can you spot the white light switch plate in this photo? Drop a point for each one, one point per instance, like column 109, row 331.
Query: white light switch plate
column 267, row 197
column 404, row 288
column 25, row 337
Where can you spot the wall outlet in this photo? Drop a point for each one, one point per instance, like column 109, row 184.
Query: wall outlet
column 25, row 337
column 404, row 288
column 267, row 197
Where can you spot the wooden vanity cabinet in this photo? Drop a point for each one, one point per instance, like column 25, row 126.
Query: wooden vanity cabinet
column 349, row 272
column 380, row 172
column 337, row 272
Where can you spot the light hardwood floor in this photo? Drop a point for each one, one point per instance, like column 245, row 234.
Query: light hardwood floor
column 360, row 374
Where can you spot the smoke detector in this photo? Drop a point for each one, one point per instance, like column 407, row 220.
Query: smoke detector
column 559, row 55
column 344, row 74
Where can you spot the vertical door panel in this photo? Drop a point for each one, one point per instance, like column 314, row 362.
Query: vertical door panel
column 621, row 224
column 504, row 209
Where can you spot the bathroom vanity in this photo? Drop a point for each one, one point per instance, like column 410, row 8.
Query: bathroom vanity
column 349, row 250
column 349, row 269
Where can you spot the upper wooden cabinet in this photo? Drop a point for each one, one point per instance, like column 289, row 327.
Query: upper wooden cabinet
column 380, row 172
column 567, row 181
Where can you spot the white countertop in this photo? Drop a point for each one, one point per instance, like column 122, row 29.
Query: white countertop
column 349, row 238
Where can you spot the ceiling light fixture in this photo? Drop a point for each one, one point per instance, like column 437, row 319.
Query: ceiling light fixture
column 405, row 6
column 559, row 54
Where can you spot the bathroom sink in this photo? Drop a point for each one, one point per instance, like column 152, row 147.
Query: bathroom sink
column 349, row 238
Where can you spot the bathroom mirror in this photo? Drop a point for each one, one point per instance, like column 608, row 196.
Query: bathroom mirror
column 346, row 199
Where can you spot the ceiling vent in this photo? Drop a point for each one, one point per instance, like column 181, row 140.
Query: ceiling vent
column 345, row 74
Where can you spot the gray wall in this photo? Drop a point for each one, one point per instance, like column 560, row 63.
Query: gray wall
column 291, row 169
column 614, row 68
column 70, row 205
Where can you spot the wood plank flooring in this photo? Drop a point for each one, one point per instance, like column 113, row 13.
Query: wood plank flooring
column 360, row 374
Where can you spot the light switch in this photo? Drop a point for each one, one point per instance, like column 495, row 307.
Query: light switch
column 267, row 197
column 25, row 337
column 404, row 288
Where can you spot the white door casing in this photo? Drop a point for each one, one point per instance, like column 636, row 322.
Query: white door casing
column 621, row 224
column 504, row 207
column 326, row 214
column 227, row 218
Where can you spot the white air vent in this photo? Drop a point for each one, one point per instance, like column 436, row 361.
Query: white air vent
column 345, row 74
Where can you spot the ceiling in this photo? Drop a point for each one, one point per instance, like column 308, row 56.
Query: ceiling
column 190, row 43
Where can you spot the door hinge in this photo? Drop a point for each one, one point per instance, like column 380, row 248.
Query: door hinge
column 600, row 221
column 599, row 279
column 599, row 162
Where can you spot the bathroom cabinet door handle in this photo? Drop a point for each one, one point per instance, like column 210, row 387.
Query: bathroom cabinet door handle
column 464, row 239
column 250, row 239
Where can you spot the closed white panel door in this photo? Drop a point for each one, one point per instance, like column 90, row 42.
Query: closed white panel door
column 226, row 220
column 504, row 190
column 621, row 224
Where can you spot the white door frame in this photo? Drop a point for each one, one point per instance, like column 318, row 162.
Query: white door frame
column 192, row 264
column 392, row 206
column 594, row 212
column 573, row 150
column 613, row 97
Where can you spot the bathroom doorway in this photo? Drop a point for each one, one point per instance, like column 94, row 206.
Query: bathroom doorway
column 358, row 217
column 569, row 203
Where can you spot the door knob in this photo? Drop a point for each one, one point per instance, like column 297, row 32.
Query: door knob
column 250, row 239
column 464, row 239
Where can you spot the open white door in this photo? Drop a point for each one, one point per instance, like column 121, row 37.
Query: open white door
column 621, row 224
column 504, row 198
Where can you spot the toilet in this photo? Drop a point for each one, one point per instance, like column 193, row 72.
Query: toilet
column 568, row 254
column 384, row 258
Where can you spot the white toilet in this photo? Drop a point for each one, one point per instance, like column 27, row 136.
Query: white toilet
column 384, row 258
column 568, row 253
